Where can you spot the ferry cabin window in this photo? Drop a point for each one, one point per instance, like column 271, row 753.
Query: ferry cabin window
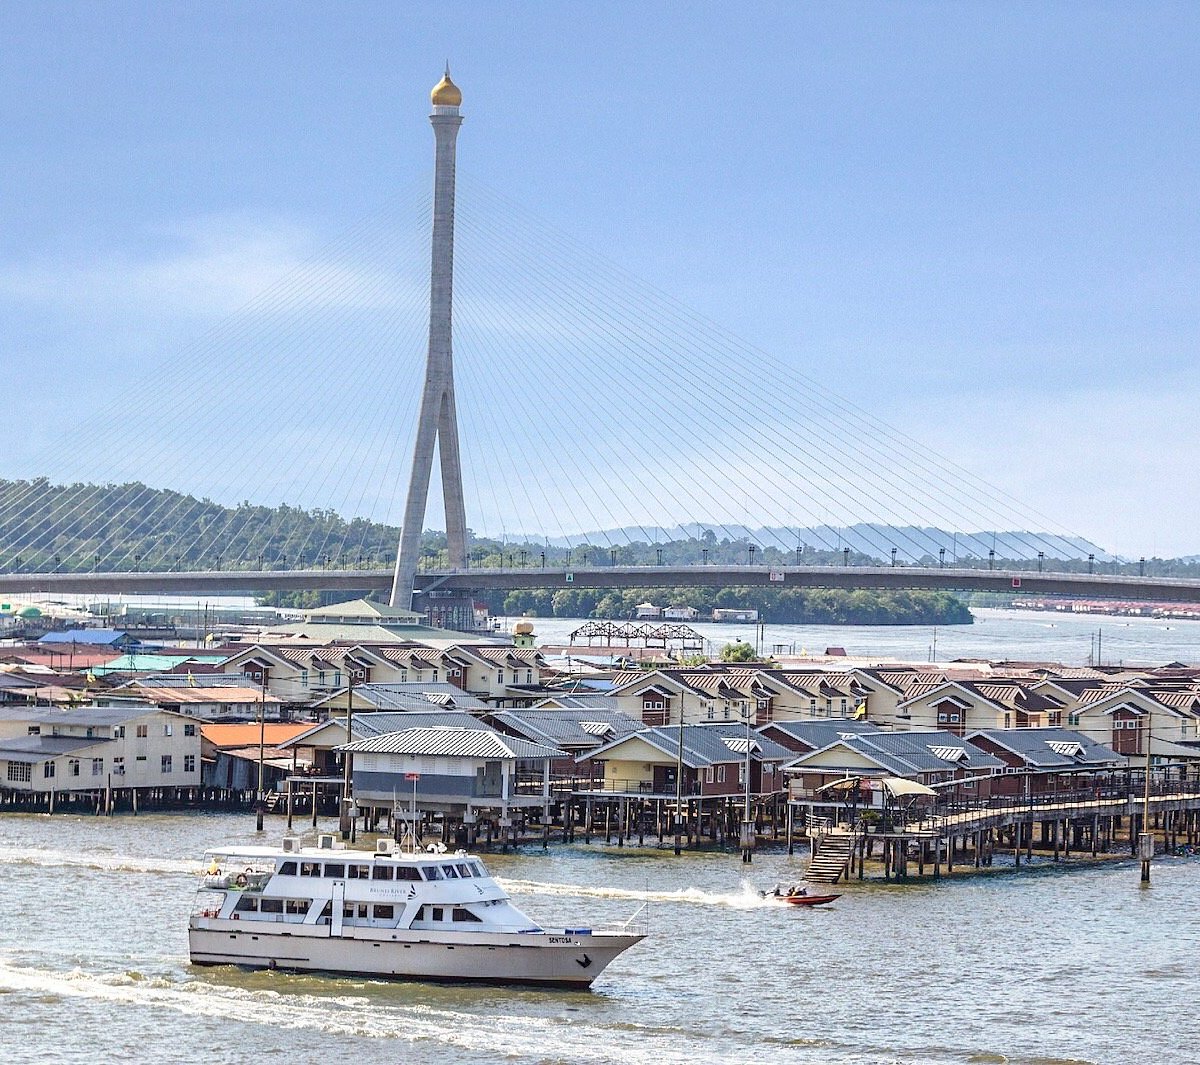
column 310, row 868
column 351, row 911
column 478, row 869
column 296, row 906
column 384, row 913
column 438, row 913
column 327, row 910
column 464, row 870
column 335, row 869
column 382, row 872
column 408, row 872
column 461, row 914
column 271, row 906
column 247, row 904
column 287, row 869
column 450, row 871
column 432, row 872
column 358, row 872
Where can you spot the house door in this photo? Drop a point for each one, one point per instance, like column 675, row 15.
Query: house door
column 338, row 905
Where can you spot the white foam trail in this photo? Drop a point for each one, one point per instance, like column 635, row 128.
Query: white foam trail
column 747, row 897
column 362, row 1015
column 82, row 859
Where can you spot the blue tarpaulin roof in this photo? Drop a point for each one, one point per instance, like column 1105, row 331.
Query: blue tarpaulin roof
column 90, row 637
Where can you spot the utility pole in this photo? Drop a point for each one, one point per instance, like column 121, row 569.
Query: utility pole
column 345, row 821
column 679, row 787
column 262, row 743
column 1146, row 837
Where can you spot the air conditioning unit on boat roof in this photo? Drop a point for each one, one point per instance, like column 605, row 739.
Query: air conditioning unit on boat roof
column 325, row 841
column 385, row 846
column 290, row 844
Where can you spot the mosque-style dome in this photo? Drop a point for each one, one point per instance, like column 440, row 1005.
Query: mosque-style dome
column 446, row 93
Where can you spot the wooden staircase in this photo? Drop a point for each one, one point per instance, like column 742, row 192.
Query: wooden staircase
column 830, row 857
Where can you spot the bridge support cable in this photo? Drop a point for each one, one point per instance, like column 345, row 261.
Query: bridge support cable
column 906, row 461
column 192, row 388
column 621, row 336
column 335, row 304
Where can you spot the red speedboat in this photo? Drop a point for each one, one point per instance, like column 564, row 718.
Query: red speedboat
column 809, row 900
column 799, row 895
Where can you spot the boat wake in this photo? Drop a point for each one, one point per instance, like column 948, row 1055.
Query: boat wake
column 747, row 897
column 369, row 1010
column 105, row 863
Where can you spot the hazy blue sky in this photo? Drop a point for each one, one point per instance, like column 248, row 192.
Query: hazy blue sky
column 977, row 220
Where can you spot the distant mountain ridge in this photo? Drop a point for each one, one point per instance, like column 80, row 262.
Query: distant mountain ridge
column 911, row 542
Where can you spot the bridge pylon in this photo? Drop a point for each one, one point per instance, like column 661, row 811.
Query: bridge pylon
column 438, row 419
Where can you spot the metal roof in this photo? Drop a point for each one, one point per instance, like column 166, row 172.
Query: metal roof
column 448, row 742
column 583, row 728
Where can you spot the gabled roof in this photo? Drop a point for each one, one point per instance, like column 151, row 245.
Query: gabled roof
column 1049, row 748
column 366, row 610
column 371, row 723
column 575, row 729
column 703, row 745
column 449, row 742
column 33, row 749
column 906, row 754
column 413, row 695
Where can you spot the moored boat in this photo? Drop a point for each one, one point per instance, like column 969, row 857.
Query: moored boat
column 382, row 913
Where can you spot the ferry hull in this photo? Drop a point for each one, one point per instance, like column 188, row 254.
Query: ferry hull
column 546, row 959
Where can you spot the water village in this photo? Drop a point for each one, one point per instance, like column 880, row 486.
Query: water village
column 359, row 710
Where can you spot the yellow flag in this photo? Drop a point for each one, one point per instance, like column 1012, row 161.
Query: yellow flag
column 860, row 711
column 191, row 680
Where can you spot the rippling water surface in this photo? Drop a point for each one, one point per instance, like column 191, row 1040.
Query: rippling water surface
column 1043, row 966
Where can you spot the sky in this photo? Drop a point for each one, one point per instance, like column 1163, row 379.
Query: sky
column 976, row 221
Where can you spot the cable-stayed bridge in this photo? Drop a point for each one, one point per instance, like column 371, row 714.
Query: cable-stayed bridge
column 558, row 394
column 242, row 582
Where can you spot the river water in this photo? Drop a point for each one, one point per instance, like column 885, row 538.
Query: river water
column 1070, row 639
column 1045, row 966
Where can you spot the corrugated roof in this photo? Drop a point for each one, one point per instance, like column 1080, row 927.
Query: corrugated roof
column 445, row 742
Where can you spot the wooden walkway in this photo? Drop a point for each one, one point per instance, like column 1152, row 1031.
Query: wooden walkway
column 972, row 836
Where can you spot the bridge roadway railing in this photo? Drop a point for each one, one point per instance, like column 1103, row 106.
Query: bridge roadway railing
column 243, row 582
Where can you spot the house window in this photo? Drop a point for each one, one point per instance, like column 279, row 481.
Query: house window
column 529, row 676
column 143, row 731
column 304, row 678
column 73, row 767
column 720, row 774
column 47, row 770
column 166, row 763
column 20, row 772
column 118, row 767
column 337, row 678
column 1008, row 720
column 711, row 712
column 189, row 729
column 119, row 732
column 97, row 767
column 189, row 763
column 168, row 729
column 433, row 676
column 843, row 708
column 943, row 717
column 708, row 775
column 321, row 677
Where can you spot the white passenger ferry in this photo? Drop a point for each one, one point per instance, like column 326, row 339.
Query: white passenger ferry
column 422, row 916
